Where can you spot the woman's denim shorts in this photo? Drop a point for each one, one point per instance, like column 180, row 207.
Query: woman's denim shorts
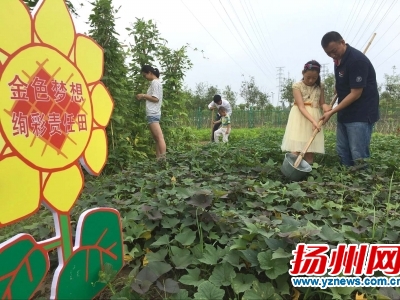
column 153, row 119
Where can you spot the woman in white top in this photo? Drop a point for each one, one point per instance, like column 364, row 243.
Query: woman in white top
column 153, row 99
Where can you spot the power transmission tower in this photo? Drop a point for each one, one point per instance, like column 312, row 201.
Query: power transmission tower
column 279, row 77
column 324, row 71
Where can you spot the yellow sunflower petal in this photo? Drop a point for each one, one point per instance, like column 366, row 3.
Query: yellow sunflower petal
column 89, row 58
column 54, row 26
column 95, row 155
column 102, row 104
column 63, row 188
column 15, row 25
column 20, row 190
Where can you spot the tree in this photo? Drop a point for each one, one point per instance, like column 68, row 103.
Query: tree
column 188, row 98
column 211, row 91
column 262, row 100
column 390, row 96
column 392, row 85
column 229, row 95
column 253, row 96
column 32, row 3
column 329, row 87
column 102, row 30
column 174, row 64
column 248, row 91
column 143, row 51
column 287, row 92
column 242, row 106
column 200, row 96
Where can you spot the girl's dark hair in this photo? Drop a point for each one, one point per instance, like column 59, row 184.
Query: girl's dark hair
column 314, row 66
column 147, row 68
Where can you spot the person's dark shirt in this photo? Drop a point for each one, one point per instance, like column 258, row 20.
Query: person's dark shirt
column 356, row 71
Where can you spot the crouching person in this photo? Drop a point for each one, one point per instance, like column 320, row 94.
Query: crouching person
column 225, row 129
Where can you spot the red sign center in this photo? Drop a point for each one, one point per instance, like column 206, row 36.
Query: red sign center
column 47, row 108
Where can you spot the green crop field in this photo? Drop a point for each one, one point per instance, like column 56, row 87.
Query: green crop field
column 220, row 221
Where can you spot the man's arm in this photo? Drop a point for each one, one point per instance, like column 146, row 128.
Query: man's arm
column 354, row 95
column 349, row 99
column 230, row 107
column 358, row 74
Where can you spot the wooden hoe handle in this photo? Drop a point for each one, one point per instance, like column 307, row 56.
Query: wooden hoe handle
column 301, row 155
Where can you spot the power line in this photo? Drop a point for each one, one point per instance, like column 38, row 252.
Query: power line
column 263, row 18
column 384, row 16
column 212, row 36
column 384, row 48
column 373, row 18
column 358, row 16
column 388, row 58
column 260, row 32
column 269, row 34
column 251, row 21
column 241, row 36
column 245, row 31
column 377, row 42
column 248, row 19
column 350, row 15
column 387, row 11
column 351, row 19
column 244, row 49
column 341, row 9
column 366, row 17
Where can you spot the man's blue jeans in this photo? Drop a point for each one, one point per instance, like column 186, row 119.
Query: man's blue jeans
column 352, row 141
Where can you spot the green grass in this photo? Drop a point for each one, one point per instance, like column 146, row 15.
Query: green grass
column 237, row 134
column 23, row 226
column 226, row 209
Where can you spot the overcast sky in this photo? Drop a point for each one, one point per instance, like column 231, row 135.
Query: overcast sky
column 244, row 38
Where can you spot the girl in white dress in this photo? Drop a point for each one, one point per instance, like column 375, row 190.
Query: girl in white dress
column 305, row 114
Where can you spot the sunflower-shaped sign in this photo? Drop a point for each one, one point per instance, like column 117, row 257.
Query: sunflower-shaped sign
column 53, row 114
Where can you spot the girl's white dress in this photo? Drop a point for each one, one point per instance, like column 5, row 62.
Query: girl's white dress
column 299, row 129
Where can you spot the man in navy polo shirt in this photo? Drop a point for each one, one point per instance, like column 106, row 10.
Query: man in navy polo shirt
column 358, row 104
